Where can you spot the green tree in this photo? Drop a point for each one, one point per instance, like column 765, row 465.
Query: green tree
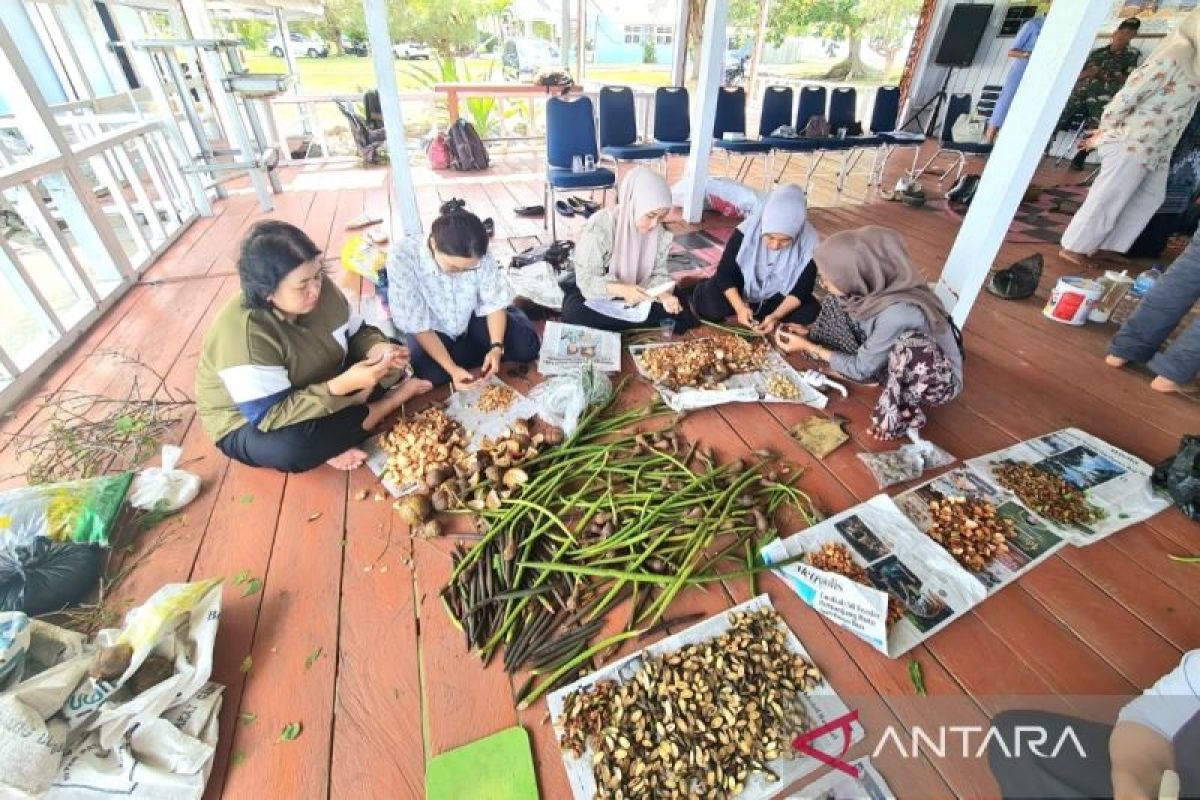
column 342, row 18
column 445, row 25
column 831, row 19
column 889, row 27
column 648, row 52
column 254, row 32
column 743, row 14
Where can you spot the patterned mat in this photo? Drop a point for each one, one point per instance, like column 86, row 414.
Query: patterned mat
column 1042, row 221
column 695, row 255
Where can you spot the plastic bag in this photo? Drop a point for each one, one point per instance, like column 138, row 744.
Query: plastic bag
column 73, row 511
column 1179, row 477
column 43, row 576
column 164, row 488
column 64, row 733
column 563, row 399
column 906, row 463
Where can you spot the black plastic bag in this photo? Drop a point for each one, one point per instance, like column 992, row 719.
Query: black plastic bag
column 45, row 576
column 1179, row 477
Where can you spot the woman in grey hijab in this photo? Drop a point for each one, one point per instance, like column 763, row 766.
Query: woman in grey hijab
column 766, row 275
column 900, row 334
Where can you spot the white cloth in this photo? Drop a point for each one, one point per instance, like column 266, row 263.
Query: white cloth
column 767, row 272
column 1171, row 702
column 423, row 297
column 1119, row 204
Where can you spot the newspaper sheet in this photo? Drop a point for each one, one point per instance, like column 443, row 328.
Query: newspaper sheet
column 569, row 348
column 1115, row 483
column 460, row 407
column 899, row 560
column 537, row 282
column 869, row 785
column 823, row 705
column 748, row 387
column 887, row 538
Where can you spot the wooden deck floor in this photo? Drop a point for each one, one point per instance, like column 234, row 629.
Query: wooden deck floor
column 392, row 685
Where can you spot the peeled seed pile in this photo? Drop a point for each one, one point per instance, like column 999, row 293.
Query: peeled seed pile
column 496, row 397
column 610, row 514
column 696, row 722
column 783, row 387
column 970, row 530
column 418, row 443
column 836, row 557
column 703, row 363
column 1048, row 495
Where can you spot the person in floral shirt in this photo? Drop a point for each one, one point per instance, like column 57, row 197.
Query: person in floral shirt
column 1137, row 133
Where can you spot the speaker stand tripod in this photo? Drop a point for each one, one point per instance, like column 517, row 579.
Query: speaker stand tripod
column 936, row 103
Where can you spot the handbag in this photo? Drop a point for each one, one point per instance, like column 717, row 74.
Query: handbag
column 968, row 130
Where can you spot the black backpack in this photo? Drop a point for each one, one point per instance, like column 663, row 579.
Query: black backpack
column 467, row 152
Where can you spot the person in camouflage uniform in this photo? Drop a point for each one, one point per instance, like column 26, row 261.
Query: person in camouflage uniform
column 1103, row 75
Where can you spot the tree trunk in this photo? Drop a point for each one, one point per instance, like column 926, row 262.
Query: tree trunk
column 852, row 65
column 695, row 36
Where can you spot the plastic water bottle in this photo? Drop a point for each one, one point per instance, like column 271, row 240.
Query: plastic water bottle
column 1146, row 280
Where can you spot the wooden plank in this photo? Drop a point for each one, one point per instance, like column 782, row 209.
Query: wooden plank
column 377, row 732
column 290, row 681
column 238, row 540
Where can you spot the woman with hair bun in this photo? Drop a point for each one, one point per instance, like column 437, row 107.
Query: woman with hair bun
column 447, row 294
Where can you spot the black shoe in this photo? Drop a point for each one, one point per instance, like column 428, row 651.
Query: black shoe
column 963, row 191
column 1019, row 280
column 1080, row 160
column 582, row 207
column 489, row 225
column 530, row 211
column 564, row 208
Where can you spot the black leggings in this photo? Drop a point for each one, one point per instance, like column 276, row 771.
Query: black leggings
column 710, row 303
column 299, row 447
column 576, row 312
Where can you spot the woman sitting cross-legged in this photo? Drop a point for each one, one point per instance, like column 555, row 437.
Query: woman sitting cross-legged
column 289, row 376
column 446, row 292
column 766, row 275
column 895, row 330
column 622, row 256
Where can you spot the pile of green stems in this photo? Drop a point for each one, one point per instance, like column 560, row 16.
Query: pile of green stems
column 540, row 582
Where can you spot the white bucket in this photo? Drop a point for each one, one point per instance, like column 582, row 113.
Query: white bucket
column 1071, row 300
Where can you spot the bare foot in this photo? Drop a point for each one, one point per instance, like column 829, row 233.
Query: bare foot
column 1164, row 385
column 1078, row 259
column 397, row 396
column 351, row 459
column 409, row 389
column 1115, row 361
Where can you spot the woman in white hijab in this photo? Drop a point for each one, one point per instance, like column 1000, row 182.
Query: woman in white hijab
column 621, row 260
column 1138, row 130
column 766, row 274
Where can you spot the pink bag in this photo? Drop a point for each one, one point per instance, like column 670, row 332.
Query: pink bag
column 438, row 152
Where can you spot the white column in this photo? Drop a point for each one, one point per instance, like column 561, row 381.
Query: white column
column 565, row 33
column 580, row 39
column 404, row 198
column 679, row 49
column 1066, row 38
column 704, row 107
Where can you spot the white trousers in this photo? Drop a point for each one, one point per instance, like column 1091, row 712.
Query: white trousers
column 1119, row 204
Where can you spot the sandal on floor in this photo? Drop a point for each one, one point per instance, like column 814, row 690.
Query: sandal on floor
column 530, row 211
column 583, row 207
column 564, row 208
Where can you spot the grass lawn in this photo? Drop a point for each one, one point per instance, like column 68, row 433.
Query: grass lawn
column 354, row 75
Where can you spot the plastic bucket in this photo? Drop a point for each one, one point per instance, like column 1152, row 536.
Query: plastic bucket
column 1071, row 300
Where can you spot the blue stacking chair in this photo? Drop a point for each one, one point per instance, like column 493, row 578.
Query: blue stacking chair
column 885, row 115
column 776, row 110
column 731, row 118
column 672, row 125
column 811, row 104
column 570, row 132
column 959, row 104
column 618, row 128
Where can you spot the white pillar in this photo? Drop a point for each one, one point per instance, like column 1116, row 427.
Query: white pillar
column 704, row 105
column 580, row 39
column 679, row 51
column 1066, row 38
column 564, row 34
column 404, row 198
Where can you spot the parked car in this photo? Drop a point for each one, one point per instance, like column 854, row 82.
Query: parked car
column 301, row 44
column 354, row 47
column 412, row 51
column 522, row 58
